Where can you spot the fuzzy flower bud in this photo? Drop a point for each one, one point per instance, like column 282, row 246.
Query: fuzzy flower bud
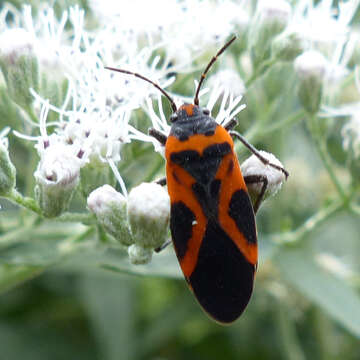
column 139, row 255
column 7, row 170
column 19, row 65
column 271, row 19
column 56, row 177
column 287, row 46
column 310, row 68
column 148, row 214
column 275, row 177
column 110, row 208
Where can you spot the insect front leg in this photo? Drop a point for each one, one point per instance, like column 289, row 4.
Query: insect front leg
column 257, row 153
column 161, row 181
column 256, row 179
column 161, row 138
column 158, row 135
column 230, row 124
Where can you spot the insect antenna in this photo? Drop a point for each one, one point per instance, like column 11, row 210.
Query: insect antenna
column 173, row 106
column 203, row 75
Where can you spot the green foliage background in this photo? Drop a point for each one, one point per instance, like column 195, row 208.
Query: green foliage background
column 67, row 293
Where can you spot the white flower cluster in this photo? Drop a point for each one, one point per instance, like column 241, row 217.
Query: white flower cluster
column 93, row 121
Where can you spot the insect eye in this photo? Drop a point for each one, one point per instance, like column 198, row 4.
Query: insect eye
column 173, row 117
column 206, row 112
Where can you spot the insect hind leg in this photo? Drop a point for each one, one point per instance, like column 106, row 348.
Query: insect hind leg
column 256, row 179
column 257, row 153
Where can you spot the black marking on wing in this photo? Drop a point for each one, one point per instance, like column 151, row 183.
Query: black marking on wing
column 222, row 280
column 241, row 210
column 230, row 167
column 202, row 168
column 208, row 197
column 176, row 178
column 181, row 224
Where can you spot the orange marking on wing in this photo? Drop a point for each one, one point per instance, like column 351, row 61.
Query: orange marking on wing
column 229, row 184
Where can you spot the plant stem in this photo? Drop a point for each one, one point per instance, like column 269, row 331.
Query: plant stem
column 293, row 118
column 260, row 71
column 85, row 218
column 12, row 275
column 26, row 202
column 321, row 148
column 310, row 224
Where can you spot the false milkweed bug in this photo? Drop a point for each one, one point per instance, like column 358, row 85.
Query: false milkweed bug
column 212, row 220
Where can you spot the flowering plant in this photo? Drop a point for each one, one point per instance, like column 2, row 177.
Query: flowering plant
column 74, row 135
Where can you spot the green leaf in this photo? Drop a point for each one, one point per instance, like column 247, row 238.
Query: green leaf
column 110, row 303
column 335, row 296
column 11, row 276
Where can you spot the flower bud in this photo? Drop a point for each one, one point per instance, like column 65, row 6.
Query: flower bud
column 310, row 68
column 270, row 19
column 7, row 170
column 110, row 208
column 57, row 176
column 148, row 214
column 275, row 177
column 139, row 255
column 19, row 65
column 287, row 46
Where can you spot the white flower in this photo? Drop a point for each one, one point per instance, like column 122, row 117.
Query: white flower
column 254, row 166
column 58, row 166
column 7, row 169
column 54, row 47
column 57, row 176
column 100, row 199
column 149, row 214
column 229, row 107
column 351, row 130
column 311, row 64
column 228, row 79
column 276, row 11
column 109, row 206
column 328, row 30
column 15, row 42
column 321, row 23
column 184, row 27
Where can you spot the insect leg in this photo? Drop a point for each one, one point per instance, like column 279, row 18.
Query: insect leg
column 158, row 135
column 255, row 179
column 257, row 153
column 230, row 125
column 163, row 246
column 161, row 181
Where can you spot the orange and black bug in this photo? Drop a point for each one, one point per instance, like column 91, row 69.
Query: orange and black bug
column 212, row 220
